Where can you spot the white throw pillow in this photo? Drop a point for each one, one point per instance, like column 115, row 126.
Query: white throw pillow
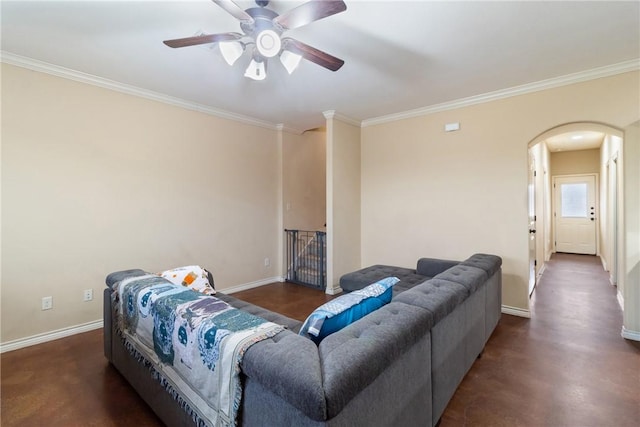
column 193, row 277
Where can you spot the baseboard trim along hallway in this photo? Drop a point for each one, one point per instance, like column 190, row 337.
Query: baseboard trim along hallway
column 630, row 335
column 514, row 311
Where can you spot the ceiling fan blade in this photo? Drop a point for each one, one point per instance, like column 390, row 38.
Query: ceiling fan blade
column 235, row 10
column 312, row 54
column 309, row 12
column 203, row 39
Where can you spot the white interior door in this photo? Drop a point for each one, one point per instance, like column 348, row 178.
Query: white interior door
column 575, row 214
column 532, row 223
column 613, row 215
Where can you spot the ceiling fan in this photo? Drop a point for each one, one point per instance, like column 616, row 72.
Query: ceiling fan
column 262, row 30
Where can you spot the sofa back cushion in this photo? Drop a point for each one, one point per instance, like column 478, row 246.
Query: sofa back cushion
column 489, row 263
column 468, row 276
column 439, row 297
column 431, row 267
column 361, row 278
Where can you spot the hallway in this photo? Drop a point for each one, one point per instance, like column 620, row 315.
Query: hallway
column 566, row 366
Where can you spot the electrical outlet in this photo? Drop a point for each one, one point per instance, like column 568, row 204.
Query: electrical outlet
column 88, row 294
column 47, row 303
column 267, row 262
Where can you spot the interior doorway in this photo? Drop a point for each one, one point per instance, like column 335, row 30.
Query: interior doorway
column 567, row 155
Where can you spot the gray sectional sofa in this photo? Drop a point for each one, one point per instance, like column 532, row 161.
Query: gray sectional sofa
column 399, row 365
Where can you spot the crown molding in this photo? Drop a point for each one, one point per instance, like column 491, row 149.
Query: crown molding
column 288, row 129
column 67, row 73
column 582, row 76
column 332, row 114
column 44, row 67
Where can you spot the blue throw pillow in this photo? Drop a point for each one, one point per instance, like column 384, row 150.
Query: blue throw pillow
column 346, row 309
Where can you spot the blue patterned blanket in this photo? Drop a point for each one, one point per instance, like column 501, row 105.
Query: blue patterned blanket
column 195, row 342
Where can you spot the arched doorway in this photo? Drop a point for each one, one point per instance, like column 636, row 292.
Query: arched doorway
column 587, row 149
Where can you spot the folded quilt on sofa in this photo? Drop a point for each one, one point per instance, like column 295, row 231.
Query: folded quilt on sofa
column 195, row 342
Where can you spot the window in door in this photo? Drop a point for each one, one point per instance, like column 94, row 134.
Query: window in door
column 574, row 200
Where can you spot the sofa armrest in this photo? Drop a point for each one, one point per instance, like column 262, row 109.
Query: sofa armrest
column 431, row 267
column 288, row 365
column 108, row 323
column 355, row 356
column 117, row 276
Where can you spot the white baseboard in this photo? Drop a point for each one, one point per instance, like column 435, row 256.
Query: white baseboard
column 333, row 291
column 50, row 336
column 514, row 311
column 544, row 266
column 251, row 285
column 97, row 324
column 620, row 300
column 630, row 335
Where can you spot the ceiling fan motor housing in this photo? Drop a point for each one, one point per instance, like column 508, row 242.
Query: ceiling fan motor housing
column 265, row 33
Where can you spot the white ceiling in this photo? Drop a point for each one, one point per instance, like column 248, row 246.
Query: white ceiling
column 399, row 55
column 571, row 141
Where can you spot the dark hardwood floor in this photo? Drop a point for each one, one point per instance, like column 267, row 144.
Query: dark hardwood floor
column 566, row 366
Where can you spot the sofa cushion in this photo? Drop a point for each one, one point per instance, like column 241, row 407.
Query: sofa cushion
column 469, row 277
column 489, row 263
column 431, row 267
column 346, row 309
column 404, row 285
column 439, row 297
column 359, row 279
column 192, row 277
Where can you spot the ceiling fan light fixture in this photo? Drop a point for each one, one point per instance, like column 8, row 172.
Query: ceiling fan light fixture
column 290, row 60
column 256, row 70
column 231, row 51
column 268, row 43
column 262, row 29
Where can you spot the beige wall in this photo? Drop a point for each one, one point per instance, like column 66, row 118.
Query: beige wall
column 304, row 173
column 95, row 181
column 575, row 162
column 343, row 201
column 430, row 193
column 632, row 229
column 610, row 152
